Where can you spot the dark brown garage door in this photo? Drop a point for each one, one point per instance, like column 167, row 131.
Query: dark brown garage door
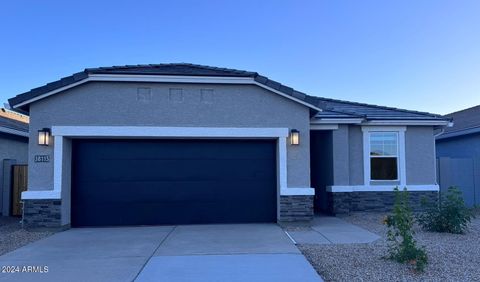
column 150, row 182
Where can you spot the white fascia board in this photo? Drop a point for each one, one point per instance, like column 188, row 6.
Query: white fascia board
column 182, row 132
column 167, row 79
column 407, row 122
column 52, row 92
column 323, row 126
column 286, row 96
column 380, row 188
column 39, row 195
column 13, row 131
column 170, row 78
column 297, row 191
column 383, row 128
column 380, row 122
column 337, row 121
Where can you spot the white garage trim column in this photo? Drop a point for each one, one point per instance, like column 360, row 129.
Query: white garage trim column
column 62, row 132
column 57, row 164
column 56, row 193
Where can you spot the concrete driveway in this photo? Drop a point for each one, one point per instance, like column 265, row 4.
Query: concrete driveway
column 244, row 252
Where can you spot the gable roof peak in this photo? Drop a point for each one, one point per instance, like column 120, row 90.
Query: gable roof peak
column 167, row 72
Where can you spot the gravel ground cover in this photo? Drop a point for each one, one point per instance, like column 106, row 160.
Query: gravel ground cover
column 12, row 236
column 451, row 257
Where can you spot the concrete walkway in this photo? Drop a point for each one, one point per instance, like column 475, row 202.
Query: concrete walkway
column 246, row 252
column 332, row 230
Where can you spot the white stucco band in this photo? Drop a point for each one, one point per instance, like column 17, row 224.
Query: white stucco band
column 381, row 188
column 60, row 132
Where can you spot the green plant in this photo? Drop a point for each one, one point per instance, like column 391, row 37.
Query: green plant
column 448, row 215
column 402, row 246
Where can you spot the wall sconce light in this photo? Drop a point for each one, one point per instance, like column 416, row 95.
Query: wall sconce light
column 294, row 137
column 44, row 136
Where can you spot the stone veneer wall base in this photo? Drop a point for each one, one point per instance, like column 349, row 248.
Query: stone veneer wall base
column 47, row 213
column 346, row 202
column 42, row 213
column 296, row 208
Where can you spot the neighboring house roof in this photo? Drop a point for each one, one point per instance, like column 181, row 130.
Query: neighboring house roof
column 322, row 108
column 464, row 122
column 13, row 126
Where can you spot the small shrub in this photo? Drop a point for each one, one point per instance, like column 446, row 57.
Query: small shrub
column 402, row 245
column 449, row 215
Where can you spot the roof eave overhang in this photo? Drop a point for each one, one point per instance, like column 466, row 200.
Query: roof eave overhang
column 12, row 131
column 337, row 121
column 23, row 105
column 459, row 133
column 363, row 121
column 431, row 122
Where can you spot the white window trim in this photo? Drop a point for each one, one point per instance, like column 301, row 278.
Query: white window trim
column 401, row 154
column 397, row 156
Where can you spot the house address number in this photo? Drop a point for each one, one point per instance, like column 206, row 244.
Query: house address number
column 42, row 158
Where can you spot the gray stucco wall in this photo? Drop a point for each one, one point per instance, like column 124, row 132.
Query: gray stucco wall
column 117, row 104
column 341, row 156
column 11, row 147
column 356, row 155
column 348, row 155
column 420, row 155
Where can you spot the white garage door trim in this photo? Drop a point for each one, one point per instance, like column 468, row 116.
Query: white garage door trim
column 60, row 132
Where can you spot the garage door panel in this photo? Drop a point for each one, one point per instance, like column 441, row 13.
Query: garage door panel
column 149, row 149
column 131, row 182
column 173, row 191
column 174, row 170
column 169, row 213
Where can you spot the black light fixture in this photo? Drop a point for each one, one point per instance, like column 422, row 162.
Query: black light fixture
column 294, row 137
column 44, row 136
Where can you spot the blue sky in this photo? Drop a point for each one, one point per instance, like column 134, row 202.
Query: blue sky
column 422, row 55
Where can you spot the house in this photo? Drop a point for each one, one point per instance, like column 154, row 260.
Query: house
column 185, row 144
column 13, row 151
column 458, row 150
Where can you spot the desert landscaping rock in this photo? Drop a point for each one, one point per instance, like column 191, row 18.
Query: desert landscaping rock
column 452, row 257
column 12, row 236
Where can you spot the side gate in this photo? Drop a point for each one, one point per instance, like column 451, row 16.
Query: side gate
column 19, row 184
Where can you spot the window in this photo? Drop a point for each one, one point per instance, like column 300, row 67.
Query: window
column 384, row 151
